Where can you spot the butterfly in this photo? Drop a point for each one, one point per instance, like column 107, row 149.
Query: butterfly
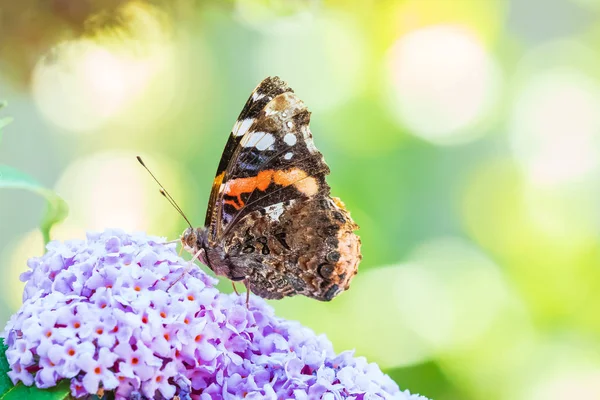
column 271, row 222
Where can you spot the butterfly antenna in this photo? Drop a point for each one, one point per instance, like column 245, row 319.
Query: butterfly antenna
column 164, row 192
column 175, row 205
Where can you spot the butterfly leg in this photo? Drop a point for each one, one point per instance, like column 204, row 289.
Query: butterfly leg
column 247, row 293
column 187, row 268
column 234, row 288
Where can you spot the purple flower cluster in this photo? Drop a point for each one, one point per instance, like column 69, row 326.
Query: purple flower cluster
column 102, row 313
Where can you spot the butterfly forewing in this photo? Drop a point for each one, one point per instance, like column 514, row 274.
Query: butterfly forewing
column 262, row 94
column 270, row 157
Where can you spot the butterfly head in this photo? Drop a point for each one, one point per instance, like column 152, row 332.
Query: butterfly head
column 194, row 239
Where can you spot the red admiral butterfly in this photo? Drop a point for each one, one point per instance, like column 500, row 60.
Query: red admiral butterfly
column 271, row 222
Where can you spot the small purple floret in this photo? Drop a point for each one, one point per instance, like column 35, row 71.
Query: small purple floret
column 98, row 312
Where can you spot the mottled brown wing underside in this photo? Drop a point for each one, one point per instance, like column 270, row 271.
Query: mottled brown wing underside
column 297, row 247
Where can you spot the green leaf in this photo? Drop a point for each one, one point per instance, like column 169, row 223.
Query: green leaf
column 5, row 382
column 56, row 207
column 20, row 391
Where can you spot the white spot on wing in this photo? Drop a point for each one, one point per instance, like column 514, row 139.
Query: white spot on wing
column 257, row 96
column 288, row 155
column 290, row 139
column 274, row 211
column 289, row 124
column 241, row 127
column 260, row 140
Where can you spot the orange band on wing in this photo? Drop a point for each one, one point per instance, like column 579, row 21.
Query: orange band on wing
column 301, row 181
column 307, row 186
column 286, row 178
column 294, row 176
column 236, row 187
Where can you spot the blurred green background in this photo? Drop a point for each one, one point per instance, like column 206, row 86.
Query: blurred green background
column 464, row 136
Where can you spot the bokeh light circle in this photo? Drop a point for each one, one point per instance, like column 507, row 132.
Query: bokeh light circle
column 574, row 385
column 84, row 83
column 451, row 293
column 563, row 368
column 442, row 82
column 555, row 129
